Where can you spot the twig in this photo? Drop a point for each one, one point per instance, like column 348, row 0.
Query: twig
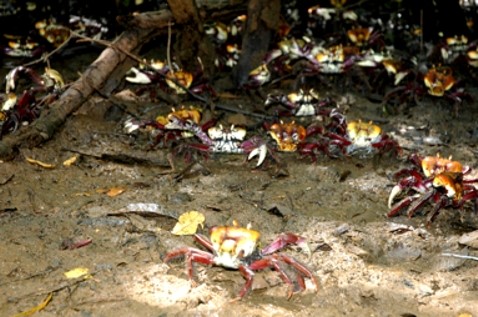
column 168, row 50
column 461, row 256
column 141, row 61
column 45, row 57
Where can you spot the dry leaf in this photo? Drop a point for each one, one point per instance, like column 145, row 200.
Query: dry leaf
column 112, row 192
column 36, row 308
column 115, row 191
column 70, row 161
column 39, row 163
column 188, row 223
column 78, row 272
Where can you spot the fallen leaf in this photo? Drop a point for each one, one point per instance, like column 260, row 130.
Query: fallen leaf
column 188, row 223
column 36, row 308
column 78, row 272
column 70, row 161
column 115, row 191
column 39, row 163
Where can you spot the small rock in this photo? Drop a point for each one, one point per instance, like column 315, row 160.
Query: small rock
column 180, row 198
column 340, row 230
column 469, row 239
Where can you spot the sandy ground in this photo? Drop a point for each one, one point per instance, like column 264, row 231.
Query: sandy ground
column 366, row 263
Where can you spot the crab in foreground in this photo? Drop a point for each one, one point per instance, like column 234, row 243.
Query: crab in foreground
column 235, row 247
column 437, row 180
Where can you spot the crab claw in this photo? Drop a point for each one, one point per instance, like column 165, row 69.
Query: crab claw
column 136, row 76
column 255, row 146
column 286, row 239
column 11, row 78
column 396, row 190
column 261, row 151
column 130, row 125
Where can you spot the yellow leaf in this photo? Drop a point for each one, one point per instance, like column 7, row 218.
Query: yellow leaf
column 188, row 223
column 78, row 272
column 39, row 163
column 70, row 161
column 36, row 308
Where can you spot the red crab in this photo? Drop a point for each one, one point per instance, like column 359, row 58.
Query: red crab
column 302, row 103
column 235, row 247
column 434, row 179
column 170, row 77
column 353, row 138
column 178, row 124
column 41, row 90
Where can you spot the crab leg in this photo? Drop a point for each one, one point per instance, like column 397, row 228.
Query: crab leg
column 434, row 213
column 400, row 205
column 248, row 274
column 204, row 241
column 299, row 267
column 192, row 255
column 273, row 262
column 419, row 203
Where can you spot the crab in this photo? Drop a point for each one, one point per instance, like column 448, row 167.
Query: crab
column 433, row 179
column 301, row 103
column 287, row 135
column 437, row 82
column 235, row 247
column 178, row 124
column 453, row 48
column 335, row 59
column 258, row 77
column 365, row 37
column 355, row 138
column 288, row 51
column 23, row 47
column 26, row 107
column 185, row 123
column 169, row 76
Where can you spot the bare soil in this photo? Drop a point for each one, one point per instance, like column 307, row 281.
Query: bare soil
column 366, row 263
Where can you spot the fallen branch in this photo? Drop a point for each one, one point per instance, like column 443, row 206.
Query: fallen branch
column 102, row 76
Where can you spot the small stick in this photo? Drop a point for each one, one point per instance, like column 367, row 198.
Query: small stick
column 168, row 49
column 461, row 256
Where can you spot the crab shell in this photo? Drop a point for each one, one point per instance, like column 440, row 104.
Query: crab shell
column 438, row 80
column 260, row 75
column 434, row 165
column 233, row 243
column 332, row 54
column 472, row 55
column 359, row 36
column 183, row 78
column 227, row 134
column 363, row 134
column 287, row 135
column 452, row 182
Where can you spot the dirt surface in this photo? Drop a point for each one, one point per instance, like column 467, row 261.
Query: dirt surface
column 366, row 263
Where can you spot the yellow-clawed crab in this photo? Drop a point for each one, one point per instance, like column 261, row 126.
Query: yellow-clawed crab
column 235, row 247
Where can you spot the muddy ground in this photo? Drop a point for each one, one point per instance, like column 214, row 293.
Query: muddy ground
column 366, row 263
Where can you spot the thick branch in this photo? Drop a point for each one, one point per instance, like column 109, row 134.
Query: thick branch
column 103, row 75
